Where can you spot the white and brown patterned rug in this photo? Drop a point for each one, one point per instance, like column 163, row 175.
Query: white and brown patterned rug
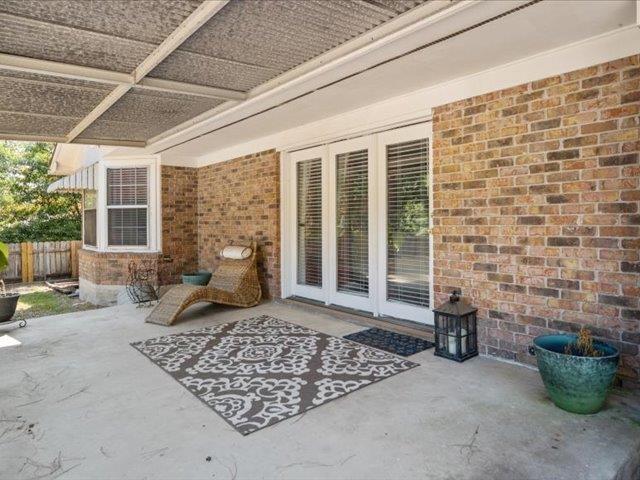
column 262, row 370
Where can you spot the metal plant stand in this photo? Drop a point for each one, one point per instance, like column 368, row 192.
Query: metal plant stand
column 140, row 283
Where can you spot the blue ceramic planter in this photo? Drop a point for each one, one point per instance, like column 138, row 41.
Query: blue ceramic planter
column 576, row 384
column 198, row 278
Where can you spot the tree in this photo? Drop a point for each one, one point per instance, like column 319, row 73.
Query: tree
column 27, row 212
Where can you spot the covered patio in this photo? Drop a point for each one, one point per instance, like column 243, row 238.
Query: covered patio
column 78, row 402
column 373, row 159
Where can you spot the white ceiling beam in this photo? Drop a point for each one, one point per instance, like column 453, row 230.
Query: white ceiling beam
column 17, row 63
column 162, row 85
column 106, row 103
column 20, row 137
column 76, row 72
column 190, row 25
column 61, row 139
column 112, row 142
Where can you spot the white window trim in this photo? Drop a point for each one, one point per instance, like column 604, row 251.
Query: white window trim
column 154, row 219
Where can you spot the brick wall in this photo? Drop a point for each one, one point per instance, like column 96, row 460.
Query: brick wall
column 536, row 209
column 108, row 268
column 179, row 222
column 239, row 200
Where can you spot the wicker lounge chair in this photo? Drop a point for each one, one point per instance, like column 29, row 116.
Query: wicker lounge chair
column 235, row 282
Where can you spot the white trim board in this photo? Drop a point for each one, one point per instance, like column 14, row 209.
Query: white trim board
column 417, row 105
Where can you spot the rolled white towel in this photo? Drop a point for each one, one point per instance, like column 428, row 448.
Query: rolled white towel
column 236, row 252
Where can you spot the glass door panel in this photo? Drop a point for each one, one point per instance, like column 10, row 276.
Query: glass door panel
column 352, row 222
column 408, row 222
column 309, row 222
column 350, row 163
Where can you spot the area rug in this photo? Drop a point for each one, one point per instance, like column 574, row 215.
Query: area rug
column 392, row 342
column 262, row 370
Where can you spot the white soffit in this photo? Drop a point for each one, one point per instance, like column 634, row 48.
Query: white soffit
column 69, row 157
column 542, row 27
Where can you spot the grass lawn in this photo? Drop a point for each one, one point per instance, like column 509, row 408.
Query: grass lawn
column 44, row 301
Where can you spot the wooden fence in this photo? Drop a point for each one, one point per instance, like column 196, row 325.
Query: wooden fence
column 42, row 260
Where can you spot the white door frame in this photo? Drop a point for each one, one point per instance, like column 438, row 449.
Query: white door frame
column 376, row 302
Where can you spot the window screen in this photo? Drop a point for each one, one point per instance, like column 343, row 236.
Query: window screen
column 352, row 222
column 408, row 222
column 127, row 206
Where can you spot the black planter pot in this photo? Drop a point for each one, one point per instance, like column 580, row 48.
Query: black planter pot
column 8, row 304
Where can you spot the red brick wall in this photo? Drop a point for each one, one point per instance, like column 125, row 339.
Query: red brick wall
column 239, row 200
column 179, row 222
column 536, row 208
column 108, row 268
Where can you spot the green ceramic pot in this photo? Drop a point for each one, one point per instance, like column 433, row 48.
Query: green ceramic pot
column 576, row 384
column 197, row 278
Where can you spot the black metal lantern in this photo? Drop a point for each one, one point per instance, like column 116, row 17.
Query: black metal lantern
column 456, row 329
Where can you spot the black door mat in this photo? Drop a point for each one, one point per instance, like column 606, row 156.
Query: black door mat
column 391, row 342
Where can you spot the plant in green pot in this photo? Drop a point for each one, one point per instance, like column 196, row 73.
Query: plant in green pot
column 8, row 301
column 196, row 278
column 577, row 370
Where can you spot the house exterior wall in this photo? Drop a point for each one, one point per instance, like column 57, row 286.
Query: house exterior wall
column 179, row 222
column 103, row 275
column 239, row 200
column 536, row 209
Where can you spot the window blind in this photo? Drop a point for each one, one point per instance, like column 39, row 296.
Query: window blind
column 408, row 222
column 127, row 226
column 309, row 222
column 127, row 204
column 127, row 186
column 352, row 222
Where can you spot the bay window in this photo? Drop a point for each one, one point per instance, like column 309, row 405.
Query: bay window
column 121, row 212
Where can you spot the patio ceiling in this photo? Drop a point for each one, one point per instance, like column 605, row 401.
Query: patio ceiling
column 124, row 71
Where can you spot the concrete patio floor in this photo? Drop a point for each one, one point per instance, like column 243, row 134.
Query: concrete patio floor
column 78, row 402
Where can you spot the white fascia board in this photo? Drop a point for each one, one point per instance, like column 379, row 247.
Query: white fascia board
column 418, row 104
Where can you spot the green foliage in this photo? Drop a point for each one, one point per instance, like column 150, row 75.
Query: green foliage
column 412, row 218
column 27, row 212
column 4, row 256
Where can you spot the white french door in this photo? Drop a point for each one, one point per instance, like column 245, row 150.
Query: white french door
column 310, row 224
column 404, row 259
column 359, row 223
